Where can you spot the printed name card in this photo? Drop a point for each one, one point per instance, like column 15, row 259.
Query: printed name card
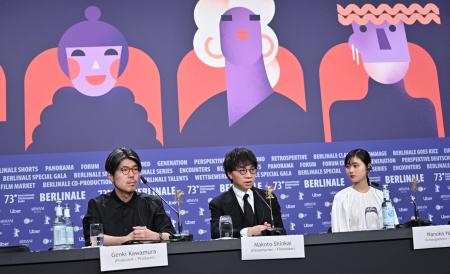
column 133, row 256
column 431, row 236
column 272, row 247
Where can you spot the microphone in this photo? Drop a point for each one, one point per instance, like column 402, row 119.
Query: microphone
column 180, row 236
column 271, row 231
column 412, row 223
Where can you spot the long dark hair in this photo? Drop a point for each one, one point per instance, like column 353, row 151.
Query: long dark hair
column 364, row 156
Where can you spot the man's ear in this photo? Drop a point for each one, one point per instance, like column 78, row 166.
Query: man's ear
column 111, row 177
column 228, row 175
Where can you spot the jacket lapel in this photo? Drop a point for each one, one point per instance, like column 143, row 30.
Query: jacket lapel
column 234, row 209
column 260, row 208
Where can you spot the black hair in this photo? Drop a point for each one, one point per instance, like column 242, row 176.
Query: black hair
column 118, row 155
column 364, row 156
column 237, row 157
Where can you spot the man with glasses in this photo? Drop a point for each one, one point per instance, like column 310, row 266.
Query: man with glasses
column 127, row 215
column 244, row 202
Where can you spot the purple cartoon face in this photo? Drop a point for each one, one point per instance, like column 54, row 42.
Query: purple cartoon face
column 240, row 36
column 93, row 70
column 384, row 50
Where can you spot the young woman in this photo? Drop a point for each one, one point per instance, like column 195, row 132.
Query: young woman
column 357, row 207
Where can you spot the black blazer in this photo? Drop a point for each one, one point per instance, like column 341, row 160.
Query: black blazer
column 227, row 204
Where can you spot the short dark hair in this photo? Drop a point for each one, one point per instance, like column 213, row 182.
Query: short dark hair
column 361, row 154
column 118, row 155
column 236, row 157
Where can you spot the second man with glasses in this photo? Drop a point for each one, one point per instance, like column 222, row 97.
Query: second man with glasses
column 127, row 215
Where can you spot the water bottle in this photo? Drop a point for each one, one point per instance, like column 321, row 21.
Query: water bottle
column 69, row 228
column 59, row 229
column 388, row 210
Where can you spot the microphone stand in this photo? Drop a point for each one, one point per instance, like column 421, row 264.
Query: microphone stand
column 411, row 223
column 270, row 231
column 177, row 237
column 417, row 221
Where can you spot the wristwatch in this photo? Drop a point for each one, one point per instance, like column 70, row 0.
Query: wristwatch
column 161, row 236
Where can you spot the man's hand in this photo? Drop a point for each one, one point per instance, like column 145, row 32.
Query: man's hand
column 257, row 229
column 143, row 233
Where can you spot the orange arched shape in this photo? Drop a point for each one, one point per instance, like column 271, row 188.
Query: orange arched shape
column 197, row 82
column 421, row 81
column 2, row 95
column 340, row 79
column 42, row 79
column 291, row 83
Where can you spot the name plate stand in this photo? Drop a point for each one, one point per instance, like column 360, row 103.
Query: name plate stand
column 133, row 256
column 272, row 247
column 431, row 236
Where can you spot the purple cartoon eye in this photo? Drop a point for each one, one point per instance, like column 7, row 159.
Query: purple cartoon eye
column 392, row 28
column 363, row 28
column 254, row 17
column 111, row 52
column 78, row 52
column 226, row 17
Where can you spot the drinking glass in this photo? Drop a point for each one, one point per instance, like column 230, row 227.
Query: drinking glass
column 372, row 220
column 225, row 227
column 96, row 234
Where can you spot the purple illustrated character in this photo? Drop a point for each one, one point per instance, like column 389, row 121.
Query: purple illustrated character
column 93, row 113
column 249, row 111
column 384, row 94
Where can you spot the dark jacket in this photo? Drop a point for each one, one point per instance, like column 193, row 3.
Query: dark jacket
column 227, row 204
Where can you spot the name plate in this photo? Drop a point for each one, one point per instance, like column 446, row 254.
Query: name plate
column 272, row 247
column 431, row 236
column 133, row 256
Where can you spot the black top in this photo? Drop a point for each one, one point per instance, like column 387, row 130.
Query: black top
column 118, row 218
column 76, row 122
column 387, row 112
column 276, row 120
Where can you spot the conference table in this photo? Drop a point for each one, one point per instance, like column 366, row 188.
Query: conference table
column 389, row 251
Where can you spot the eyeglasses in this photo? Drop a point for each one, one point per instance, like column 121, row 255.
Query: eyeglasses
column 125, row 170
column 243, row 171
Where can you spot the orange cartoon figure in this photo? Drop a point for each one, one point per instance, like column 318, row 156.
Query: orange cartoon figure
column 379, row 86
column 108, row 94
column 2, row 95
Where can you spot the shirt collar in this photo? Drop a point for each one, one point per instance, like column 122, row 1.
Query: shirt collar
column 240, row 194
column 116, row 202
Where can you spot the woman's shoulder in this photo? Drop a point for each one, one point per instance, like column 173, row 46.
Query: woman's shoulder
column 343, row 193
column 376, row 190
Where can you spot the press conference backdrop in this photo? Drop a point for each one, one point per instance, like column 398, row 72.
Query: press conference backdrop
column 158, row 84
